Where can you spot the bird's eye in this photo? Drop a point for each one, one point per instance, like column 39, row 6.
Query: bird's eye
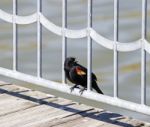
column 70, row 63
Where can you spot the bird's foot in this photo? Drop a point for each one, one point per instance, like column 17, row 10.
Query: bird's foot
column 72, row 88
column 82, row 90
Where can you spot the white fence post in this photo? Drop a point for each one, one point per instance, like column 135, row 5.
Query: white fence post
column 39, row 39
column 89, row 46
column 116, row 20
column 15, row 36
column 143, row 53
column 64, row 39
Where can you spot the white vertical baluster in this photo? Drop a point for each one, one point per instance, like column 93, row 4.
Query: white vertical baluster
column 89, row 45
column 116, row 19
column 64, row 39
column 143, row 53
column 39, row 39
column 15, row 36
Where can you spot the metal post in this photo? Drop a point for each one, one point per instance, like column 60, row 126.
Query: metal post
column 15, row 36
column 116, row 20
column 143, row 53
column 89, row 45
column 39, row 40
column 64, row 39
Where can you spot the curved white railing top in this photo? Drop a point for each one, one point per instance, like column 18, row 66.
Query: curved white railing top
column 109, row 44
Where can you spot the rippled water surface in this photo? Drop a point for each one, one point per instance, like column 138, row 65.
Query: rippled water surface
column 129, row 30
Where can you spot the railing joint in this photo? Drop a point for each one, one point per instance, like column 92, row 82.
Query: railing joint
column 88, row 31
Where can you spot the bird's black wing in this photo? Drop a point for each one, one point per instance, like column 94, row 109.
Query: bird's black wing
column 78, row 75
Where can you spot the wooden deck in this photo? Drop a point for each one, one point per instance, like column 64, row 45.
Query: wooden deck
column 22, row 107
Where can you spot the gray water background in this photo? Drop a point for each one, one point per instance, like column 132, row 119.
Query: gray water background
column 129, row 30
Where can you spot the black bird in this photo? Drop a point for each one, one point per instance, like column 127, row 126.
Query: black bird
column 77, row 74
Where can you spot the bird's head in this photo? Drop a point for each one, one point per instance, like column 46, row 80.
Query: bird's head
column 69, row 63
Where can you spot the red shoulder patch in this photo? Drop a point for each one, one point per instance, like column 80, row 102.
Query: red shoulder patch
column 80, row 71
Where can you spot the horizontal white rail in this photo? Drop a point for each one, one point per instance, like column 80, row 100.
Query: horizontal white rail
column 109, row 44
column 66, row 89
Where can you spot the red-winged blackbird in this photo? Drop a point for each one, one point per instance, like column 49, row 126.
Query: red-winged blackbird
column 77, row 74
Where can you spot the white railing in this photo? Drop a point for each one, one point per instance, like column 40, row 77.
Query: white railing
column 91, row 34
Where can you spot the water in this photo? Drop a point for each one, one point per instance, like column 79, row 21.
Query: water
column 129, row 30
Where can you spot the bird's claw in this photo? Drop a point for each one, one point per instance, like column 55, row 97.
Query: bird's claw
column 71, row 89
column 81, row 91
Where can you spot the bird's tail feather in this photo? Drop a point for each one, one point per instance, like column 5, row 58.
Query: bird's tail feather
column 95, row 86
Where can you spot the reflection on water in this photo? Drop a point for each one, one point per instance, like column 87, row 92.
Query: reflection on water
column 129, row 30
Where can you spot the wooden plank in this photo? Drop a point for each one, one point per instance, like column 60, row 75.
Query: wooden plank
column 6, row 88
column 96, row 119
column 33, row 115
column 112, row 125
column 46, row 122
column 34, row 93
column 22, row 107
column 19, row 98
column 121, row 121
column 61, row 116
column 58, row 121
column 133, row 122
column 39, row 113
column 26, row 93
column 86, row 121
column 11, row 87
column 10, row 104
column 31, row 94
